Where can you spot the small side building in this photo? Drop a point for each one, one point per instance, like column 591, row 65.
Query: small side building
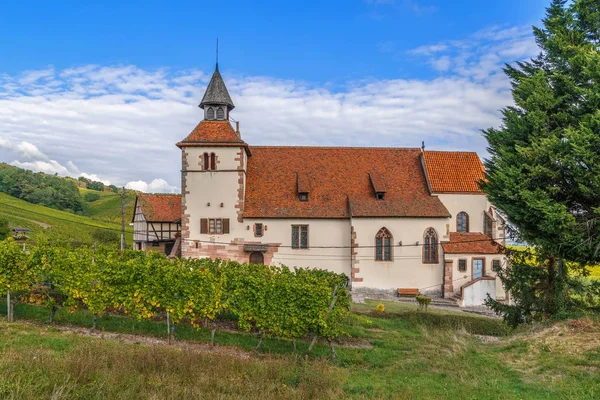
column 157, row 223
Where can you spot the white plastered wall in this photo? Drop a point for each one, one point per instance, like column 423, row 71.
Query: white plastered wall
column 325, row 237
column 406, row 270
column 473, row 204
column 208, row 189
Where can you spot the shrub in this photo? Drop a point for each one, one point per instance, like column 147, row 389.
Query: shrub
column 380, row 308
column 91, row 197
column 423, row 302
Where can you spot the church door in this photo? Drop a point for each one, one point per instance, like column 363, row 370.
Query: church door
column 256, row 257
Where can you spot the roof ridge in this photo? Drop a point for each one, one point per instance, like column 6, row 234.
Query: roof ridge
column 335, row 147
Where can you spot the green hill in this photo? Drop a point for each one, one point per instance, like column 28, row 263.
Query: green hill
column 108, row 207
column 57, row 224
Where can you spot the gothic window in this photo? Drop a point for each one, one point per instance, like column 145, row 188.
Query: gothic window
column 488, row 225
column 205, row 161
column 213, row 161
column 462, row 222
column 210, row 114
column 430, row 247
column 220, row 113
column 383, row 245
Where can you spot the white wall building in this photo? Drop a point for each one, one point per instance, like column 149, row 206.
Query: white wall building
column 388, row 218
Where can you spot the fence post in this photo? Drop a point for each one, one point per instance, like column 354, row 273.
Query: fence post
column 9, row 310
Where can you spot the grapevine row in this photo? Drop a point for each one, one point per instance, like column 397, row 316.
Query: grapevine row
column 273, row 301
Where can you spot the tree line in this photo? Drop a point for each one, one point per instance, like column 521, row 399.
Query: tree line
column 50, row 191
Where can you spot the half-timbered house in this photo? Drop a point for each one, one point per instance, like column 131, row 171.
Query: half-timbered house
column 157, row 223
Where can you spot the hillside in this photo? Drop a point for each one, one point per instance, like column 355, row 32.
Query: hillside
column 108, row 207
column 53, row 223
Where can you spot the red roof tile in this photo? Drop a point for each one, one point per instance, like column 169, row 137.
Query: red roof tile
column 212, row 132
column 339, row 182
column 160, row 207
column 453, row 171
column 470, row 243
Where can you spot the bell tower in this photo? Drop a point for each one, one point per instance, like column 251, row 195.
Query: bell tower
column 213, row 177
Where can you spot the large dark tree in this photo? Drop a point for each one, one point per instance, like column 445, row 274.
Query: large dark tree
column 544, row 169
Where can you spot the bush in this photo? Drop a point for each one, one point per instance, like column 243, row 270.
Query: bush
column 91, row 197
column 423, row 302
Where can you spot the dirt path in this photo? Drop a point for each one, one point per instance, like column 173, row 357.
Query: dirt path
column 184, row 345
column 42, row 224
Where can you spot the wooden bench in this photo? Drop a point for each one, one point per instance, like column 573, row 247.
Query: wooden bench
column 408, row 292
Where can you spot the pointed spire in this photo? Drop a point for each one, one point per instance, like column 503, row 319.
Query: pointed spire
column 216, row 92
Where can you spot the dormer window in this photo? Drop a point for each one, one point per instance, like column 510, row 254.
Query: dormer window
column 220, row 113
column 303, row 186
column 210, row 113
column 378, row 185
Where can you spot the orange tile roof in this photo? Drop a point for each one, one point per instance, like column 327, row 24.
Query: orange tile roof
column 212, row 132
column 453, row 171
column 160, row 207
column 470, row 243
column 339, row 183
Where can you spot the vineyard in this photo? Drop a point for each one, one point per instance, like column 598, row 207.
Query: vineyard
column 271, row 301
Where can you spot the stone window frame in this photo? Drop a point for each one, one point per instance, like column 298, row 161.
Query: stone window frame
column 381, row 248
column 259, row 229
column 465, row 264
column 297, row 241
column 427, row 252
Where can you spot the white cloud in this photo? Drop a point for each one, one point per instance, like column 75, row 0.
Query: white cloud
column 482, row 55
column 30, row 151
column 120, row 123
column 429, row 49
column 156, row 186
column 441, row 64
column 95, row 177
column 49, row 167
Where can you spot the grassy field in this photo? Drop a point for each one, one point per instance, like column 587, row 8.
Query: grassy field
column 108, row 207
column 400, row 354
column 51, row 222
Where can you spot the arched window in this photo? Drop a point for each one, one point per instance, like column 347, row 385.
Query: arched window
column 210, row 114
column 220, row 113
column 213, row 161
column 430, row 246
column 462, row 222
column 383, row 245
column 206, row 162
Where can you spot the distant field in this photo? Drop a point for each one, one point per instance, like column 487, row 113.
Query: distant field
column 53, row 223
column 108, row 207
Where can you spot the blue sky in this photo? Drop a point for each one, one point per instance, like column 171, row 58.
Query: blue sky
column 89, row 83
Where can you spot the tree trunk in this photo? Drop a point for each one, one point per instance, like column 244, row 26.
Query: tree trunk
column 311, row 345
column 212, row 333
column 294, row 345
column 94, row 321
